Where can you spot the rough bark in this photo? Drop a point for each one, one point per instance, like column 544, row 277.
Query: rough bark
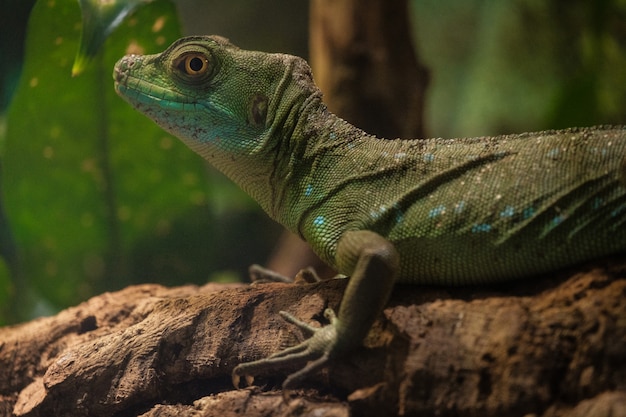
column 552, row 346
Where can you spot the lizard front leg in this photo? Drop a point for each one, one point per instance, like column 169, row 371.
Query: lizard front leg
column 372, row 263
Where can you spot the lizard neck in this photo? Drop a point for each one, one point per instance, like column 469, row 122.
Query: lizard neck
column 312, row 161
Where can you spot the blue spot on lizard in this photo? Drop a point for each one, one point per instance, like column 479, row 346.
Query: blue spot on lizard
column 319, row 221
column 553, row 153
column 508, row 211
column 597, row 203
column 528, row 213
column 437, row 211
column 481, row 228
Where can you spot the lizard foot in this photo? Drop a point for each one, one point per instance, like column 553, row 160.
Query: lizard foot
column 259, row 274
column 317, row 351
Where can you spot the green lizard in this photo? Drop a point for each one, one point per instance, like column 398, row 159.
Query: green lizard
column 433, row 211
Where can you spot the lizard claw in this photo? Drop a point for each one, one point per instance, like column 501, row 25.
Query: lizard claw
column 261, row 275
column 317, row 351
column 237, row 379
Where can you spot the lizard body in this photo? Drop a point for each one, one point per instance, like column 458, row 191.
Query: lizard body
column 433, row 211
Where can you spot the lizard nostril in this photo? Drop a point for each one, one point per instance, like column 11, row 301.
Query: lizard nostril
column 124, row 65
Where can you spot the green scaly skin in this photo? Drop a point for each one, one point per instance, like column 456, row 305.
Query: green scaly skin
column 434, row 211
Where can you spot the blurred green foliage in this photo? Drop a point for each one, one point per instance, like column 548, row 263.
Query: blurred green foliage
column 13, row 23
column 91, row 186
column 522, row 65
column 65, row 138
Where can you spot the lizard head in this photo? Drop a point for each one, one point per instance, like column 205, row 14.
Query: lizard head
column 229, row 105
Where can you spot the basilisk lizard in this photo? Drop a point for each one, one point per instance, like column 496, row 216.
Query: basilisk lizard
column 432, row 211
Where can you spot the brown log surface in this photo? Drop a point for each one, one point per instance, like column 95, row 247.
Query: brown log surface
column 553, row 346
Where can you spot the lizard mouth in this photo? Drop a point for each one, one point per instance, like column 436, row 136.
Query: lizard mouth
column 140, row 91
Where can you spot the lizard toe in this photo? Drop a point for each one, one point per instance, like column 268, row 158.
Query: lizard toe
column 310, row 355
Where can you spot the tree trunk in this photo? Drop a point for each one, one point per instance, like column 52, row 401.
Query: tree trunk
column 364, row 62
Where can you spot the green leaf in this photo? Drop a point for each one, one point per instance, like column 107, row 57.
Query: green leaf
column 86, row 175
column 99, row 19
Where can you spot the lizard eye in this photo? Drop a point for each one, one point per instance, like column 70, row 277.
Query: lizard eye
column 193, row 64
